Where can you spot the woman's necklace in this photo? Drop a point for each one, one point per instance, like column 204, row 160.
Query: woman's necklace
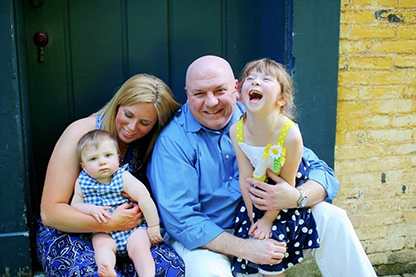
column 123, row 154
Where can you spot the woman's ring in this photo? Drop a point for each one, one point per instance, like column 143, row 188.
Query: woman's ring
column 261, row 203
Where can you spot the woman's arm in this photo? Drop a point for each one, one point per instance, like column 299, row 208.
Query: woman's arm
column 61, row 174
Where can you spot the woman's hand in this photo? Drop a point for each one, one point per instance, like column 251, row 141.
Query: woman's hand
column 125, row 217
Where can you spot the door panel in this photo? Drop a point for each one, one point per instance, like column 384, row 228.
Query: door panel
column 96, row 43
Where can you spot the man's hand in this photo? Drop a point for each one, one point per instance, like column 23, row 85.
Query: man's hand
column 268, row 251
column 272, row 197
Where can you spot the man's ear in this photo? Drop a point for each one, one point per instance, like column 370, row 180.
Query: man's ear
column 187, row 95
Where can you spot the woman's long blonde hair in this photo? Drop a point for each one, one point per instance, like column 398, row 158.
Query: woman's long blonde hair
column 141, row 88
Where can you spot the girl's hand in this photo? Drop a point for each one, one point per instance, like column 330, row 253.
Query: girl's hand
column 262, row 229
column 154, row 234
column 100, row 213
column 125, row 217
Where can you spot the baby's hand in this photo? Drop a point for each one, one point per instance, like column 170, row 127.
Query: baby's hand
column 154, row 234
column 262, row 229
column 100, row 213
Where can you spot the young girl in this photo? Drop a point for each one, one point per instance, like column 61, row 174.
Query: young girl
column 98, row 192
column 265, row 138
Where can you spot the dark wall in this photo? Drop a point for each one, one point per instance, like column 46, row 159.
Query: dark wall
column 315, row 52
column 14, row 234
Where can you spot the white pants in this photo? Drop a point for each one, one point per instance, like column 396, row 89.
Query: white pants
column 340, row 253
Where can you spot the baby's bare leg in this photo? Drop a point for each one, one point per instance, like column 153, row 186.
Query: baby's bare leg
column 138, row 247
column 105, row 257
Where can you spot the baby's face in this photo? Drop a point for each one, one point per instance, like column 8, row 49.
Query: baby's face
column 101, row 162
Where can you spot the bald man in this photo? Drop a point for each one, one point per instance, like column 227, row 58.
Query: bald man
column 194, row 177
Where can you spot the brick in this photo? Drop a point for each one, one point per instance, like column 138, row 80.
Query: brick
column 407, row 120
column 343, row 62
column 390, row 106
column 402, row 256
column 377, row 32
column 390, row 136
column 387, row 163
column 348, row 93
column 405, row 61
column 357, row 16
column 344, row 31
column 369, row 122
column 356, row 220
column 406, row 32
column 410, row 217
column 378, row 258
column 363, row 178
column 351, row 166
column 340, row 138
column 359, row 139
column 409, row 91
column 396, row 77
column 354, row 78
column 400, row 230
column 380, row 206
column 385, row 3
column 371, row 233
column 383, row 245
column 407, row 3
column 362, row 3
column 381, row 92
column 383, row 191
column 397, row 47
column 391, row 218
column 354, row 47
column 349, row 108
column 344, row 194
column 375, row 63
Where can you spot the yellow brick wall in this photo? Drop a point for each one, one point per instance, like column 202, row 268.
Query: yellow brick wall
column 375, row 155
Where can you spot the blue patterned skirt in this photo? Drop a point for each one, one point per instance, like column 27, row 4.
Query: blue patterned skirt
column 72, row 254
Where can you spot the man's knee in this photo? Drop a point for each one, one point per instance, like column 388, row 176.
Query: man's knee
column 329, row 213
column 208, row 265
column 203, row 262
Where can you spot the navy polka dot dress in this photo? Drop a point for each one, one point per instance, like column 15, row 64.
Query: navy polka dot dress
column 296, row 227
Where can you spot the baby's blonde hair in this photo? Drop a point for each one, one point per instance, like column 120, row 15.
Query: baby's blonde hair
column 279, row 72
column 93, row 139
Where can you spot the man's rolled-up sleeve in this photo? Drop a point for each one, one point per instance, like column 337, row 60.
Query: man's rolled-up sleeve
column 322, row 173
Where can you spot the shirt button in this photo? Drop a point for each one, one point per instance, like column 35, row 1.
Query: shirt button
column 227, row 156
column 231, row 177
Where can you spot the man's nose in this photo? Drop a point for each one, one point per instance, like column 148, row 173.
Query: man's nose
column 211, row 100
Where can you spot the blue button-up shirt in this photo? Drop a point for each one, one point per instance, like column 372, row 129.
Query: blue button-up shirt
column 194, row 177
